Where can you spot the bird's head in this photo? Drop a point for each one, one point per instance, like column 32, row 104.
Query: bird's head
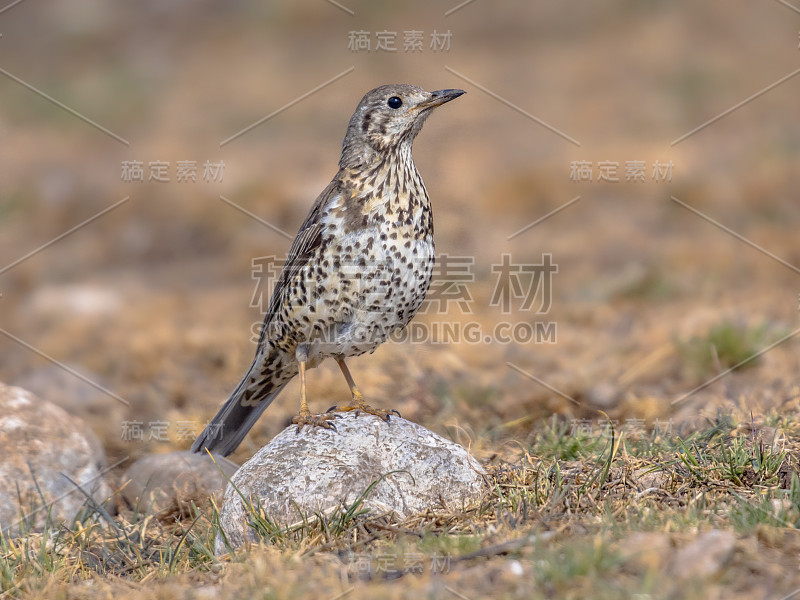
column 388, row 117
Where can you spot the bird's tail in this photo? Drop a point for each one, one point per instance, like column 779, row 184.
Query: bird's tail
column 227, row 429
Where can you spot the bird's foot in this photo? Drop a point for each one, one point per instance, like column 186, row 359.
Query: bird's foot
column 362, row 407
column 314, row 421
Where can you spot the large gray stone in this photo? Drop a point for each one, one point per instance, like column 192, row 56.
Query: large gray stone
column 42, row 447
column 319, row 470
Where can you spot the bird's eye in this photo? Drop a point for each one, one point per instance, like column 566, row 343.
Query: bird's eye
column 394, row 102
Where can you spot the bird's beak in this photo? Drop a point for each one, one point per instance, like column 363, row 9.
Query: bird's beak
column 439, row 97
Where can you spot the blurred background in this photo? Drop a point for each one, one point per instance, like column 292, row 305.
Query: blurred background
column 141, row 319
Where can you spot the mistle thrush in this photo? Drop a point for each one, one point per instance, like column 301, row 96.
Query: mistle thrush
column 358, row 269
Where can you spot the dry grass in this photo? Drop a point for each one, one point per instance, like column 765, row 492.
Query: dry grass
column 559, row 521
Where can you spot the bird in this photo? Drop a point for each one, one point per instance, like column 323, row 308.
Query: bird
column 358, row 269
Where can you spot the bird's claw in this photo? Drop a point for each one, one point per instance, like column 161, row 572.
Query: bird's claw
column 323, row 421
column 365, row 408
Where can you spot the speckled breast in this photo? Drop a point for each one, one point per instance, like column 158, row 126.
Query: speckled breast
column 374, row 264
column 379, row 281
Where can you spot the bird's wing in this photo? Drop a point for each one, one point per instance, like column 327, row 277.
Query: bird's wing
column 303, row 248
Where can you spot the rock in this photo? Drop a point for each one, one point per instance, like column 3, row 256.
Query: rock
column 705, row 556
column 604, row 395
column 41, row 446
column 771, row 439
column 646, row 550
column 318, row 470
column 171, row 482
column 75, row 299
column 650, row 480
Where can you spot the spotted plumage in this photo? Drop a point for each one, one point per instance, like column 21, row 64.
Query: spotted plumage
column 358, row 269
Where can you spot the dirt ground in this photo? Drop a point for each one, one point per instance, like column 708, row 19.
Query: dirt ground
column 649, row 149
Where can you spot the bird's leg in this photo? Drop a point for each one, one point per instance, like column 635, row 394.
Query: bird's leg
column 303, row 398
column 357, row 397
column 305, row 417
column 358, row 404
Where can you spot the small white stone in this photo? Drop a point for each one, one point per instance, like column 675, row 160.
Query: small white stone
column 515, row 568
column 78, row 299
